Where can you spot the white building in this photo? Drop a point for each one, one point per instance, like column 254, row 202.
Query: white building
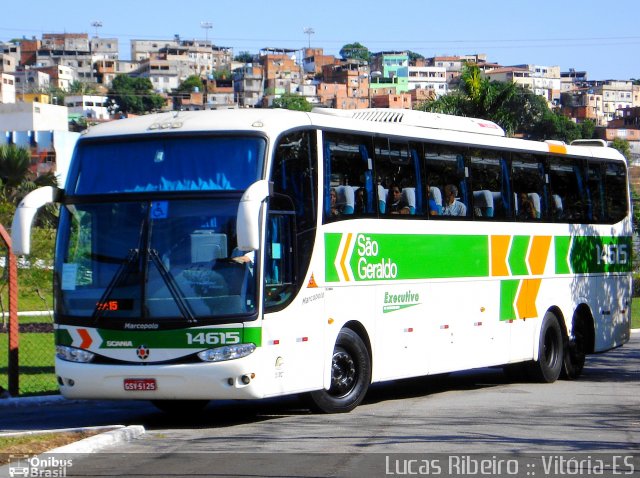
column 7, row 88
column 92, row 107
column 429, row 77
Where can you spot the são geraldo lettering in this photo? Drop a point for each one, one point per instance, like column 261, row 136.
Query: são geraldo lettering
column 370, row 266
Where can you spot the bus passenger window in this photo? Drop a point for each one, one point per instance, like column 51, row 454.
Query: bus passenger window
column 348, row 172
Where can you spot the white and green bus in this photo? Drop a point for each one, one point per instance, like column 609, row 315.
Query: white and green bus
column 245, row 254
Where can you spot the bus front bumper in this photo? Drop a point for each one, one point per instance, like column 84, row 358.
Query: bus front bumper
column 233, row 379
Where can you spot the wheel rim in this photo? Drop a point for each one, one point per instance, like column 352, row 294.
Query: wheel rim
column 343, row 374
column 551, row 347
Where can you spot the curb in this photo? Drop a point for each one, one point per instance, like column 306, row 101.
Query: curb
column 87, row 445
column 97, row 442
column 34, row 401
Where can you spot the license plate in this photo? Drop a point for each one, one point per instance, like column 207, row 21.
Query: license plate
column 140, row 384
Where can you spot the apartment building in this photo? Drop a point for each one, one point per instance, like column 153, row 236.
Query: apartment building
column 7, row 88
column 616, row 95
column 429, row 78
column 394, row 66
column 314, row 60
column 31, row 81
column 91, row 107
column 354, row 74
column 248, row 85
column 281, row 71
column 75, row 50
column 8, row 63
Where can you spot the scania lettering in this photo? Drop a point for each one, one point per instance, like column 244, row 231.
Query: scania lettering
column 246, row 254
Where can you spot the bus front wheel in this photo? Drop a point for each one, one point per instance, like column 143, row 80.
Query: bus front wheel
column 350, row 376
column 550, row 351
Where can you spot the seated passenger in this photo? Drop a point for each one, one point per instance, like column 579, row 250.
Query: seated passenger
column 395, row 204
column 333, row 197
column 452, row 207
column 361, row 201
column 526, row 212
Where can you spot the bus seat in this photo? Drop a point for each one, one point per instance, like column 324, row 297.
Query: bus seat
column 483, row 200
column 435, row 194
column 409, row 198
column 382, row 199
column 535, row 200
column 345, row 199
column 557, row 203
column 498, row 206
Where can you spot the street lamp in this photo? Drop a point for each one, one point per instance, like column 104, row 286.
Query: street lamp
column 96, row 24
column 207, row 26
column 309, row 31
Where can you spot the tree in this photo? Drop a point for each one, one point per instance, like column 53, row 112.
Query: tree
column 82, row 88
column 244, row 57
column 588, row 128
column 623, row 146
column 355, row 51
column 478, row 97
column 292, row 102
column 413, row 57
column 134, row 95
column 17, row 180
column 190, row 84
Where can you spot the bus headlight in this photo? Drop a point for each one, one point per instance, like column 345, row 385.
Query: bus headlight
column 72, row 354
column 228, row 352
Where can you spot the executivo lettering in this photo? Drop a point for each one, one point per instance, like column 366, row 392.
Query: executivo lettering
column 393, row 302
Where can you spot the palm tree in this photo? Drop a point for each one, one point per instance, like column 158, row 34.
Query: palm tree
column 478, row 97
column 14, row 169
column 17, row 180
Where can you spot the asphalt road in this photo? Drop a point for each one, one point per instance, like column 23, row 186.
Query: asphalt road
column 427, row 419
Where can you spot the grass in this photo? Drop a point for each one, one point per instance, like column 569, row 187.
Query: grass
column 36, row 369
column 35, row 444
column 635, row 313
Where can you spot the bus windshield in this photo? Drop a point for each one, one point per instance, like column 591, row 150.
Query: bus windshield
column 167, row 163
column 152, row 260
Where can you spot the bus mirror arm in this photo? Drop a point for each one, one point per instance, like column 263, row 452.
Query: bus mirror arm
column 249, row 209
column 25, row 212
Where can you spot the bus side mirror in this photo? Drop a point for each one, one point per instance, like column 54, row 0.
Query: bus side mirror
column 25, row 212
column 249, row 209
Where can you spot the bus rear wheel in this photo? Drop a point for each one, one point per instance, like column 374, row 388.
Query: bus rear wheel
column 550, row 351
column 575, row 354
column 350, row 376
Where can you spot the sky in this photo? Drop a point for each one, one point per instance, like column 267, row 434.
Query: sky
column 599, row 37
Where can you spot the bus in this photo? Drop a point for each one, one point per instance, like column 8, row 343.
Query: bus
column 245, row 254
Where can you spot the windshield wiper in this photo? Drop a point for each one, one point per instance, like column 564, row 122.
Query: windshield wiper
column 121, row 274
column 171, row 284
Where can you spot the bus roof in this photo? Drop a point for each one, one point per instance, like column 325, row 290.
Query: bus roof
column 395, row 122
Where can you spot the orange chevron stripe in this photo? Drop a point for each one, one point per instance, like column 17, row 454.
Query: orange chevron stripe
column 343, row 259
column 526, row 299
column 499, row 250
column 538, row 254
column 86, row 338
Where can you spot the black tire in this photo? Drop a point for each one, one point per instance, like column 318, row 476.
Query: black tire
column 350, row 376
column 575, row 353
column 180, row 407
column 550, row 351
